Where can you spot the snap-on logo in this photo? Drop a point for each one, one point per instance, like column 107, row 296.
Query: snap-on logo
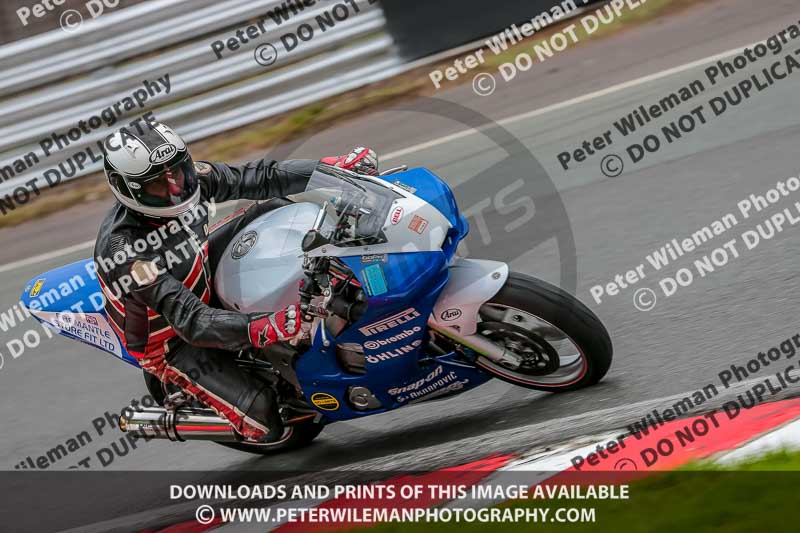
column 389, row 323
column 450, row 314
column 163, row 153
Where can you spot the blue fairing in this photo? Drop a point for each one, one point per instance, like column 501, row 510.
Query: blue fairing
column 432, row 189
column 401, row 290
column 398, row 371
column 74, row 289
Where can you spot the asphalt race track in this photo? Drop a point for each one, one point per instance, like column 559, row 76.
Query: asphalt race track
column 55, row 390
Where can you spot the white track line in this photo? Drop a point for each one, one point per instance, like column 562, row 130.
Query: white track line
column 456, row 136
column 574, row 101
column 786, row 437
column 47, row 256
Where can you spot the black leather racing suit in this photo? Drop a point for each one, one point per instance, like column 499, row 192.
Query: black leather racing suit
column 164, row 319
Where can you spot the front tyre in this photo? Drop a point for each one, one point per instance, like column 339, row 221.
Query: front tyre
column 559, row 344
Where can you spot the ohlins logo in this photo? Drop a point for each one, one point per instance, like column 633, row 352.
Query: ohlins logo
column 163, row 153
column 390, row 323
column 374, row 345
column 397, row 352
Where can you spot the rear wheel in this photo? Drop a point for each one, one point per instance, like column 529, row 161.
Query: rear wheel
column 294, row 436
column 559, row 343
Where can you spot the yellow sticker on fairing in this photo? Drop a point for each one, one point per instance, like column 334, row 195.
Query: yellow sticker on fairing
column 37, row 287
column 325, row 401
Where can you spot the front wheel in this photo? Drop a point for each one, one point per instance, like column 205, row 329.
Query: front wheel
column 558, row 343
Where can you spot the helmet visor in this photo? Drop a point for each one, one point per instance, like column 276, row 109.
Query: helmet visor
column 170, row 188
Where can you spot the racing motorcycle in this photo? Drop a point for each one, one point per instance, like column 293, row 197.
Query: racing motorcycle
column 393, row 315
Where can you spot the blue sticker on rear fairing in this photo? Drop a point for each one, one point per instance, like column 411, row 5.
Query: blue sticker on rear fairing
column 376, row 281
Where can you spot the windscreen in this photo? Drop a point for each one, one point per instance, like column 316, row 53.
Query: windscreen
column 357, row 207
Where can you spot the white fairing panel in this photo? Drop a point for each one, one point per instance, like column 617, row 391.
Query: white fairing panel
column 92, row 328
column 262, row 266
column 472, row 283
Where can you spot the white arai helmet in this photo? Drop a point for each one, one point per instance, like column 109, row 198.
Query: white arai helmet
column 150, row 171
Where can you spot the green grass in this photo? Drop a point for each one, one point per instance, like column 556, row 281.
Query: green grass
column 757, row 496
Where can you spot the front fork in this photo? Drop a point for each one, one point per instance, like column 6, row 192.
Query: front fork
column 478, row 343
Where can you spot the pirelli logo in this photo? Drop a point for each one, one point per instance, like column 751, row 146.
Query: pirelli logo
column 390, row 323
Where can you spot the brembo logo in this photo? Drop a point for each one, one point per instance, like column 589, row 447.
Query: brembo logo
column 374, row 345
column 162, row 153
column 389, row 323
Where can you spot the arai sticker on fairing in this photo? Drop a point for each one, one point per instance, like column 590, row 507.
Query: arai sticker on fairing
column 375, row 280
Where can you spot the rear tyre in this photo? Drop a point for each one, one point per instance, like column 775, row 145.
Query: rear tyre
column 294, row 437
column 562, row 344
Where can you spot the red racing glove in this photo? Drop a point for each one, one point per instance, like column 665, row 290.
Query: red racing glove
column 267, row 329
column 361, row 160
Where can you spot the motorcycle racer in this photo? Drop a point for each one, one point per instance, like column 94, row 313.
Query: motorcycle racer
column 159, row 292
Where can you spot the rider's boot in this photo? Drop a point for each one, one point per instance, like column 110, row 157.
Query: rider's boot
column 215, row 379
column 264, row 408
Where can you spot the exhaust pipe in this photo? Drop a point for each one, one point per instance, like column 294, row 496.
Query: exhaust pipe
column 185, row 423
